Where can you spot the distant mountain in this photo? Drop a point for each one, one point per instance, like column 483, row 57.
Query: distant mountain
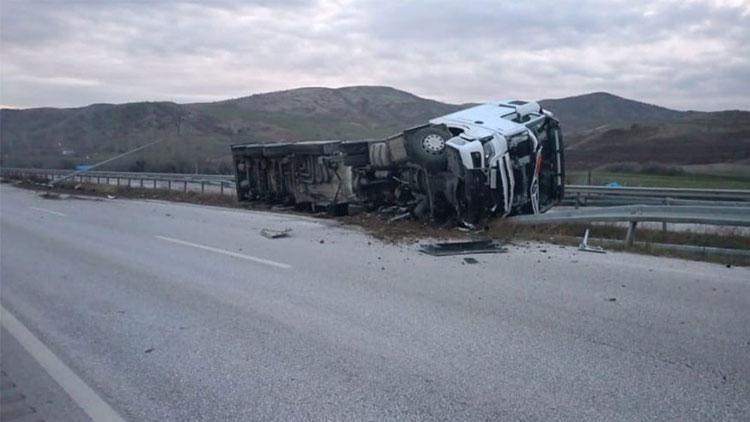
column 603, row 110
column 323, row 113
column 600, row 128
column 199, row 135
column 693, row 138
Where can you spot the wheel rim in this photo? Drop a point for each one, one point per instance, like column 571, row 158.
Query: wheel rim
column 433, row 143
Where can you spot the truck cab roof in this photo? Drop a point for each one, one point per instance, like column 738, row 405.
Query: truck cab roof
column 504, row 117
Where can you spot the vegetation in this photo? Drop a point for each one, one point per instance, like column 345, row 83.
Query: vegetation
column 600, row 129
column 681, row 180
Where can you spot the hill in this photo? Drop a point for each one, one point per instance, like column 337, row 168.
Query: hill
column 600, row 128
column 199, row 134
column 601, row 110
column 604, row 129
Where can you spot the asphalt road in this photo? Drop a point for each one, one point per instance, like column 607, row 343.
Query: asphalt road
column 181, row 312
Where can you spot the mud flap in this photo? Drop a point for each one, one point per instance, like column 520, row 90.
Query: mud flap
column 474, row 188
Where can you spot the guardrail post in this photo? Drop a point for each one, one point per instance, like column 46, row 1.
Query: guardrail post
column 118, row 181
column 169, row 185
column 203, row 187
column 154, row 183
column 184, row 186
column 128, row 182
column 221, row 183
column 141, row 183
column 630, row 236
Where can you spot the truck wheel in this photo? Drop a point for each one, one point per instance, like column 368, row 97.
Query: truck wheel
column 427, row 147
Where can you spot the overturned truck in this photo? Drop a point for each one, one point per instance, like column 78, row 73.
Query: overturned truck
column 499, row 158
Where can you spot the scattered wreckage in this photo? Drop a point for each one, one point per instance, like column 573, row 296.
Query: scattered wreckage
column 495, row 159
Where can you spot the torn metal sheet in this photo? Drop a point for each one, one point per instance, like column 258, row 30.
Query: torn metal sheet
column 274, row 234
column 463, row 248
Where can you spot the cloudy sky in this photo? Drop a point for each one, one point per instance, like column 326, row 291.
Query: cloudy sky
column 683, row 54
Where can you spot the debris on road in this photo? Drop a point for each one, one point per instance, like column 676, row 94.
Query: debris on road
column 463, row 248
column 470, row 260
column 111, row 197
column 399, row 217
column 611, row 299
column 275, row 234
column 584, row 246
column 282, row 208
column 49, row 195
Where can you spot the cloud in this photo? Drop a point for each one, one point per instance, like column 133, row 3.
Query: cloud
column 683, row 54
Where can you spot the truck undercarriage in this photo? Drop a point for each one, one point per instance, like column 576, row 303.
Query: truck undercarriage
column 495, row 159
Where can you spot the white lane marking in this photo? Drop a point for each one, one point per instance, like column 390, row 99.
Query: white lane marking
column 226, row 252
column 74, row 386
column 48, row 211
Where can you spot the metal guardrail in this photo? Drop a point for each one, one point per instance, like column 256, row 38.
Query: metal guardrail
column 633, row 214
column 577, row 195
column 203, row 183
column 121, row 174
column 697, row 206
column 723, row 216
column 582, row 195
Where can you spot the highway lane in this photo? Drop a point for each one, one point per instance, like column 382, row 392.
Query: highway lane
column 181, row 312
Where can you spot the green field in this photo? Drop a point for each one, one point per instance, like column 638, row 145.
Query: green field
column 686, row 180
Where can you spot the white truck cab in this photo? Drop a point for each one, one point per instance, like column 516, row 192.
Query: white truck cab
column 502, row 145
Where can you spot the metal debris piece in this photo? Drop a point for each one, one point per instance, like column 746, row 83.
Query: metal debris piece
column 111, row 197
column 584, row 246
column 275, row 234
column 49, row 195
column 470, row 260
column 282, row 207
column 463, row 248
column 399, row 217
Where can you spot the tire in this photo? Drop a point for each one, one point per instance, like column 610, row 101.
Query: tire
column 427, row 147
